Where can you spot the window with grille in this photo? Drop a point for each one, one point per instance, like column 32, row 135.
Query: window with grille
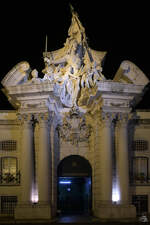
column 140, row 145
column 8, row 204
column 8, row 145
column 9, row 171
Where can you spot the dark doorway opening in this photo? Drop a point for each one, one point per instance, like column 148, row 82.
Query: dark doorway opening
column 74, row 186
column 74, row 195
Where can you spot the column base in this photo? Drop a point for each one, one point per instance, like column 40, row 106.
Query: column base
column 33, row 212
column 115, row 212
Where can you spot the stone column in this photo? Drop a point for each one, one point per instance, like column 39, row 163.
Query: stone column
column 27, row 167
column 105, row 162
column 122, row 160
column 27, row 160
column 44, row 165
column 106, row 209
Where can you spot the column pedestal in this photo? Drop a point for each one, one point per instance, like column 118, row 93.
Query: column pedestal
column 33, row 212
column 119, row 212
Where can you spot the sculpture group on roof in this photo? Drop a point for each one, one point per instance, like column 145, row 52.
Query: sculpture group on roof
column 74, row 71
column 73, row 68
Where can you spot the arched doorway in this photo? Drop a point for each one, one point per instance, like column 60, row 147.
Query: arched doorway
column 74, row 185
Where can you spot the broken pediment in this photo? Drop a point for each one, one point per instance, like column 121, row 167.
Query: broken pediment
column 17, row 75
column 128, row 72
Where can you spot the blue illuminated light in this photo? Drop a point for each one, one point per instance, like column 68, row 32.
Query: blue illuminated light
column 65, row 182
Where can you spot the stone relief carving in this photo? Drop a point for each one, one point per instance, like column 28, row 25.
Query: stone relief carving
column 74, row 128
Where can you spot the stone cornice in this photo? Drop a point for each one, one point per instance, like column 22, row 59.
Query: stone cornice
column 142, row 110
column 34, row 98
column 115, row 87
column 9, row 122
column 142, row 121
column 30, row 88
column 8, row 111
column 115, row 97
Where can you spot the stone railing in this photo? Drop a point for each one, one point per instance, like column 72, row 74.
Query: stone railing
column 140, row 179
column 10, row 178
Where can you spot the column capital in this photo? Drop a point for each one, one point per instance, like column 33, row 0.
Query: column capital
column 43, row 118
column 106, row 118
column 123, row 119
column 25, row 119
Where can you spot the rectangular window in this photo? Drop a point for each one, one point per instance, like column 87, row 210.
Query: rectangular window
column 9, row 165
column 9, row 172
column 8, row 145
column 140, row 169
column 8, row 204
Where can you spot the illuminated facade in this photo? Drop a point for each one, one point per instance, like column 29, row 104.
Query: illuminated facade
column 74, row 116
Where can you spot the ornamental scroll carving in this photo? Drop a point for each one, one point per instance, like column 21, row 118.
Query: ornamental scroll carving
column 74, row 128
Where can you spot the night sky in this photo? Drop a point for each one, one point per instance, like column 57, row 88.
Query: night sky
column 118, row 27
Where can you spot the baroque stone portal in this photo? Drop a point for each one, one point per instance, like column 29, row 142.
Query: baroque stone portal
column 91, row 114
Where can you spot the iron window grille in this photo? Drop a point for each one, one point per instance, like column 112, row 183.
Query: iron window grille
column 8, row 145
column 140, row 145
column 9, row 174
column 8, row 204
